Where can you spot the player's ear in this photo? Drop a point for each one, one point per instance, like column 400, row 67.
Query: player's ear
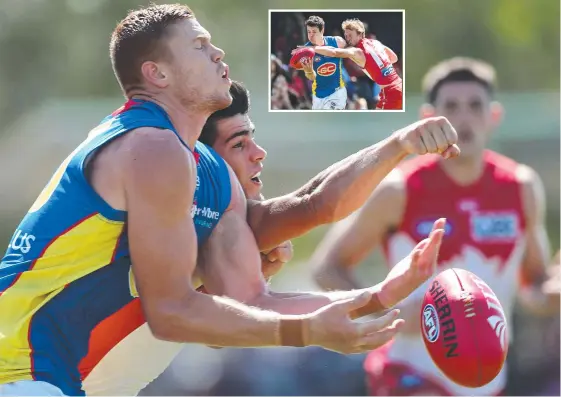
column 154, row 73
column 426, row 111
column 497, row 113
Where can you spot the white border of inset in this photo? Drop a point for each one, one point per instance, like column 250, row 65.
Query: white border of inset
column 346, row 110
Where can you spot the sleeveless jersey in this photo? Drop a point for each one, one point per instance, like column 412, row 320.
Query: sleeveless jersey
column 67, row 293
column 485, row 234
column 378, row 66
column 329, row 75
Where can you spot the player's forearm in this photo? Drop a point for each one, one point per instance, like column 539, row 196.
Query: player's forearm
column 344, row 187
column 334, row 277
column 310, row 75
column 301, row 303
column 219, row 321
column 326, row 51
column 533, row 300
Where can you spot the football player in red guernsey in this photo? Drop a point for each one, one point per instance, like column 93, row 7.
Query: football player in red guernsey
column 375, row 59
column 495, row 210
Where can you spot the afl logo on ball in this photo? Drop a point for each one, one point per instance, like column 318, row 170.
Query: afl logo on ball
column 327, row 69
column 431, row 327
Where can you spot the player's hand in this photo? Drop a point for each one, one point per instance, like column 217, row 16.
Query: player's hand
column 430, row 135
column 332, row 328
column 307, row 65
column 413, row 270
column 274, row 260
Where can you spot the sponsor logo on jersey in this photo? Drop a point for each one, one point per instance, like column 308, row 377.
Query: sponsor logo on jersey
column 22, row 241
column 431, row 327
column 424, row 228
column 387, row 71
column 327, row 69
column 317, row 58
column 489, row 226
column 468, row 205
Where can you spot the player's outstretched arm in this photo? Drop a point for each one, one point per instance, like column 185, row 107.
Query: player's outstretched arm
column 537, row 250
column 229, row 264
column 349, row 52
column 341, row 189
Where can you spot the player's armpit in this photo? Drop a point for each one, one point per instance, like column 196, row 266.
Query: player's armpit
column 351, row 240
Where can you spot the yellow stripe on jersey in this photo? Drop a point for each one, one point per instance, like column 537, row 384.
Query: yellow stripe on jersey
column 314, row 86
column 83, row 249
column 341, row 81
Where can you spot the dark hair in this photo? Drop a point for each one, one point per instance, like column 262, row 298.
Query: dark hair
column 138, row 38
column 315, row 22
column 458, row 69
column 239, row 105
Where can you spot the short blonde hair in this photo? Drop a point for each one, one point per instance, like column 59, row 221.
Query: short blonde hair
column 354, row 24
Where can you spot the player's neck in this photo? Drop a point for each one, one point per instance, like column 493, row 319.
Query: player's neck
column 187, row 122
column 464, row 171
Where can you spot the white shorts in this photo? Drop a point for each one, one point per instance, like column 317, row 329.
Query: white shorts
column 335, row 101
column 29, row 388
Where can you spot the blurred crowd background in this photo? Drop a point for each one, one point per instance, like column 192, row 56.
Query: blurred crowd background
column 290, row 89
column 56, row 83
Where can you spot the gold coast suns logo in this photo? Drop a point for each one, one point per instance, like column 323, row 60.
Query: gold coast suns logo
column 327, row 69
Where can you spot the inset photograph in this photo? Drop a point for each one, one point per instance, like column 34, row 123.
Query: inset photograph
column 332, row 60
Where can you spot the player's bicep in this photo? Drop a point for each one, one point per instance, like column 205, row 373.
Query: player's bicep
column 159, row 185
column 277, row 220
column 229, row 261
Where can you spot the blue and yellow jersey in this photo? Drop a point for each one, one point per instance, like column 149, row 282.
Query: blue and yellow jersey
column 329, row 75
column 67, row 293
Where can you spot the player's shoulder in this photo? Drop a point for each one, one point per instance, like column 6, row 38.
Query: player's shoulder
column 505, row 168
column 154, row 150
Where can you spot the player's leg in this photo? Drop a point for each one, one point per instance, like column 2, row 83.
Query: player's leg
column 393, row 97
column 335, row 101
column 29, row 388
column 382, row 100
column 317, row 103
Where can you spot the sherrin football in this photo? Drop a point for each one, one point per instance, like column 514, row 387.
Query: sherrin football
column 464, row 328
column 299, row 54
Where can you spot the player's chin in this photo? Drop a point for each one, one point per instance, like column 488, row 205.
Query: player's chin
column 253, row 190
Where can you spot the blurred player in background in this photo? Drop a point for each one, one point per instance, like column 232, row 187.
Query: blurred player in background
column 495, row 209
column 325, row 71
column 374, row 58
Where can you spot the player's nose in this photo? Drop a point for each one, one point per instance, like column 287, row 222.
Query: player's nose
column 218, row 54
column 259, row 153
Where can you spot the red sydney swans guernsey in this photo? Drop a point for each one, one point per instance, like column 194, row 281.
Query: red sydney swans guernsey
column 485, row 234
column 378, row 65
